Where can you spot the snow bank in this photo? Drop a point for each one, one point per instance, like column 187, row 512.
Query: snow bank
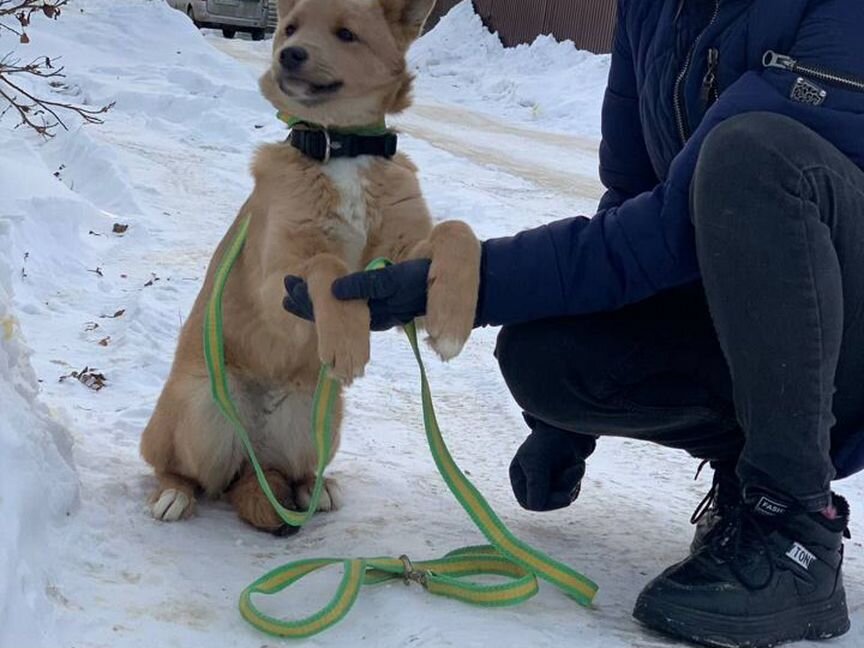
column 37, row 482
column 548, row 82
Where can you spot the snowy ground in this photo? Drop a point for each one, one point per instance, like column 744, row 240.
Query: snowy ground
column 88, row 567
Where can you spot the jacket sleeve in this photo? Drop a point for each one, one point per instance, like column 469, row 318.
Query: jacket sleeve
column 582, row 265
column 645, row 244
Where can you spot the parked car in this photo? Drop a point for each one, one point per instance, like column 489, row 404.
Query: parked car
column 257, row 17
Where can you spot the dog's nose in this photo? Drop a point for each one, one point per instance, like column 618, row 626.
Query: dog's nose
column 292, row 58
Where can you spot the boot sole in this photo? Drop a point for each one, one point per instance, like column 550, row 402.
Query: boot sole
column 815, row 621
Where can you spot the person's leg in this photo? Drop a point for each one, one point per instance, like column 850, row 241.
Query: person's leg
column 779, row 220
column 652, row 371
column 780, row 239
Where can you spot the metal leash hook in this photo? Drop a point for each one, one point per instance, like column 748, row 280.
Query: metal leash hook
column 411, row 575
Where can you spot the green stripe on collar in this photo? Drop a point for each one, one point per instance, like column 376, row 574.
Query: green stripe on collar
column 366, row 131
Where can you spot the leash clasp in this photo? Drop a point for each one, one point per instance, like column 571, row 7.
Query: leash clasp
column 411, row 575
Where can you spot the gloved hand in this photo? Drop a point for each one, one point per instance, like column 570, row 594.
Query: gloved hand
column 396, row 294
column 546, row 473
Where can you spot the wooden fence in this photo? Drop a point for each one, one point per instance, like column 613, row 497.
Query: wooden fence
column 590, row 24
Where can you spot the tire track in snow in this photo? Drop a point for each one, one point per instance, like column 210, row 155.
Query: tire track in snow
column 546, row 162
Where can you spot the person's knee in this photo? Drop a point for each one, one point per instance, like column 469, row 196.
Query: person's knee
column 536, row 368
column 551, row 367
column 741, row 143
column 745, row 154
column 520, row 357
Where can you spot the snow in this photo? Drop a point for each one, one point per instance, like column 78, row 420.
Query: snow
column 505, row 139
column 548, row 82
column 33, row 447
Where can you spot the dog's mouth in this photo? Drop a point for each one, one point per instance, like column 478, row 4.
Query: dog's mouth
column 306, row 90
column 325, row 88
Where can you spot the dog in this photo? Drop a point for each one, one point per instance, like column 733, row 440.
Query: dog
column 337, row 64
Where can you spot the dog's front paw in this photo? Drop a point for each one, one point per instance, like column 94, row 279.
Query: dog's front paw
column 454, row 284
column 343, row 340
column 172, row 505
column 449, row 321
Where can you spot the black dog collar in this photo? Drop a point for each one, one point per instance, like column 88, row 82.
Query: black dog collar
column 324, row 145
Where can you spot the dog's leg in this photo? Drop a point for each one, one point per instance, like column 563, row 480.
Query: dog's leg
column 331, row 497
column 190, row 445
column 342, row 326
column 454, row 284
column 175, row 498
column 252, row 505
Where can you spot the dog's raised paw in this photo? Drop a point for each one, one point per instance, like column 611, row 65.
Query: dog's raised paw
column 447, row 348
column 343, row 341
column 449, row 319
column 172, row 505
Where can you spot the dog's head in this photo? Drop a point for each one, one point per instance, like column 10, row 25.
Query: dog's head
column 342, row 62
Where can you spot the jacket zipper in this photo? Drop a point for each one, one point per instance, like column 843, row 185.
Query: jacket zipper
column 710, row 93
column 780, row 61
column 679, row 99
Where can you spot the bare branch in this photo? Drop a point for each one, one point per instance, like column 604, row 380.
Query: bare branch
column 40, row 114
column 21, row 11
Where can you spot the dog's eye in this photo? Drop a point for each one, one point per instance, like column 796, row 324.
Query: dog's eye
column 289, row 30
column 346, row 35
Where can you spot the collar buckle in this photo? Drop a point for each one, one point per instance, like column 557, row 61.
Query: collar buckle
column 328, row 146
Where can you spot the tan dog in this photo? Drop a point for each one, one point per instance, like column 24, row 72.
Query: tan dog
column 320, row 221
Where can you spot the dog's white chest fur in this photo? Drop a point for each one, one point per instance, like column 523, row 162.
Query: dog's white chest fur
column 351, row 228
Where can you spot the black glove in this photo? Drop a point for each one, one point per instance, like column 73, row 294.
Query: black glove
column 396, row 294
column 546, row 473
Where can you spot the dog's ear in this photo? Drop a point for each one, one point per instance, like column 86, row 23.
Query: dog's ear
column 409, row 15
column 285, row 7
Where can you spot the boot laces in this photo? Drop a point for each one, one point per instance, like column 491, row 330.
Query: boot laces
column 705, row 505
column 743, row 537
column 711, row 499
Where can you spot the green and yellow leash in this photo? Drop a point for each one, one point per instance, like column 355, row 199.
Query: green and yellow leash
column 505, row 556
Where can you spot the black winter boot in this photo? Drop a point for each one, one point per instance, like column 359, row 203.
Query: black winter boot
column 770, row 575
column 718, row 505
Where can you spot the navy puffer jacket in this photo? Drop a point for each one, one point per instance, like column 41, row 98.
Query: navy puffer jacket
column 679, row 68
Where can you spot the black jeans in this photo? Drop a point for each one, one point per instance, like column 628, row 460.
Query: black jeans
column 762, row 365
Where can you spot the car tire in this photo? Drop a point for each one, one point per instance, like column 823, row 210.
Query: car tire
column 229, row 33
column 258, row 35
column 191, row 14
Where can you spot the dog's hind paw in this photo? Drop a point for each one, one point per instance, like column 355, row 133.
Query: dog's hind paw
column 172, row 505
column 330, row 499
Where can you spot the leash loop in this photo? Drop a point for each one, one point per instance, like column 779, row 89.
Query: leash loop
column 519, row 564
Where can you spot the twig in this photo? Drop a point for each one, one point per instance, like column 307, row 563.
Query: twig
column 27, row 105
